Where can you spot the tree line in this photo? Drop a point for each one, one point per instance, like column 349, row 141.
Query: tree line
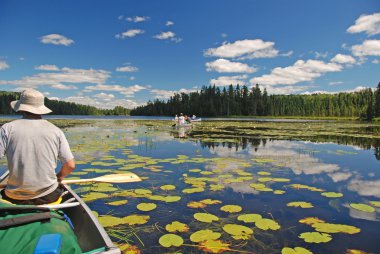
column 213, row 101
column 60, row 107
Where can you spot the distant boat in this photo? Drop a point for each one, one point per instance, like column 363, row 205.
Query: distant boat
column 196, row 120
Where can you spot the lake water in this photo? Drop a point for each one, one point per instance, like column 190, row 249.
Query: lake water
column 251, row 188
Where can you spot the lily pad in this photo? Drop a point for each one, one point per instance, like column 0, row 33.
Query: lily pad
column 335, row 228
column 170, row 240
column 238, row 232
column 195, row 204
column 300, row 204
column 210, row 201
column 332, row 194
column 266, row 224
column 214, row 246
column 315, row 237
column 136, row 219
column 296, row 250
column 168, row 187
column 363, row 207
column 205, row 217
column 117, row 203
column 177, row 226
column 375, row 203
column 231, row 208
column 311, row 220
column 203, row 235
column 249, row 218
column 145, row 207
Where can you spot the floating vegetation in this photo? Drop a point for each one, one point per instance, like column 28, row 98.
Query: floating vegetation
column 205, row 217
column 214, row 246
column 296, row 250
column 332, row 194
column 146, row 207
column 117, row 203
column 168, row 187
column 315, row 237
column 266, row 224
column 300, row 204
column 203, row 235
column 231, row 208
column 335, row 228
column 363, row 207
column 238, row 232
column 177, row 226
column 170, row 240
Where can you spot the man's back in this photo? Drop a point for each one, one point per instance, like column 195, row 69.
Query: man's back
column 32, row 147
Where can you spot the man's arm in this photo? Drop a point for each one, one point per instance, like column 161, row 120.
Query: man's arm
column 66, row 169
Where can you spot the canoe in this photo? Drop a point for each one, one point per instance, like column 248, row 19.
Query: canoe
column 91, row 235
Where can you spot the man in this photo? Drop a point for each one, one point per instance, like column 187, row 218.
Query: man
column 33, row 146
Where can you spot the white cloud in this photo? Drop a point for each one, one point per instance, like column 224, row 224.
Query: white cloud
column 127, row 91
column 223, row 65
column 229, row 80
column 127, row 69
column 321, row 54
column 47, row 67
column 336, row 83
column 130, row 33
column 58, row 79
column 224, row 35
column 101, row 103
column 367, row 48
column 284, row 89
column 138, row 19
column 56, row 39
column 169, row 35
column 64, row 87
column 245, row 49
column 301, row 71
column 369, row 24
column 3, row 65
column 121, row 17
column 104, row 96
column 356, row 89
column 165, row 94
column 169, row 23
column 343, row 59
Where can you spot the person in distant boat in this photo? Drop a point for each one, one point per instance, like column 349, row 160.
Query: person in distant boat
column 187, row 119
column 176, row 118
column 193, row 117
column 181, row 119
column 33, row 146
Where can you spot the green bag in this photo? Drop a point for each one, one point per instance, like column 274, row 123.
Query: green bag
column 22, row 226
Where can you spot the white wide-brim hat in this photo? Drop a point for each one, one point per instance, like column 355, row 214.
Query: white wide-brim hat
column 31, row 101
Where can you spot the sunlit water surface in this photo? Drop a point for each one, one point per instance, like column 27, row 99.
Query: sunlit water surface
column 260, row 176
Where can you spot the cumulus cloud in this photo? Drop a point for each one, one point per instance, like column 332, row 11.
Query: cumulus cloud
column 101, row 103
column 367, row 48
column 301, row 71
column 343, row 59
column 369, row 24
column 127, row 69
column 47, row 67
column 229, row 80
column 169, row 35
column 165, row 94
column 335, row 83
column 138, row 19
column 56, row 39
column 246, row 49
column 223, row 65
column 3, row 65
column 130, row 33
column 127, row 91
column 284, row 89
column 64, row 87
column 104, row 96
column 169, row 23
column 61, row 78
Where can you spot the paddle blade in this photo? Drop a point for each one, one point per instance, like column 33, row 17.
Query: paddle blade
column 112, row 178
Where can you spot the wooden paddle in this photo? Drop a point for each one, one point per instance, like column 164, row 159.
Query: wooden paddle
column 111, row 178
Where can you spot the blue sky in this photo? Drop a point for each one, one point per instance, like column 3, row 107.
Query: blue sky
column 125, row 52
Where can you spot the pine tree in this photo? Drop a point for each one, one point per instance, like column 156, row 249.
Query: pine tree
column 377, row 101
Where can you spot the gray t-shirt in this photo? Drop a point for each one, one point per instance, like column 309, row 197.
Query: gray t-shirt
column 32, row 147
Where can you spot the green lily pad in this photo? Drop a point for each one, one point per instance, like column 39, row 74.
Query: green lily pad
column 311, row 220
column 335, row 228
column 170, row 240
column 214, row 246
column 205, row 217
column 231, row 208
column 145, row 207
column 332, row 194
column 375, row 203
column 266, row 224
column 177, row 226
column 296, row 250
column 363, row 208
column 136, row 219
column 193, row 190
column 203, row 235
column 278, row 192
column 167, row 187
column 300, row 204
column 238, row 232
column 117, row 203
column 249, row 218
column 315, row 237
column 170, row 199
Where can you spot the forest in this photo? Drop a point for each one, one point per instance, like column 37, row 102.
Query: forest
column 212, row 101
column 60, row 107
